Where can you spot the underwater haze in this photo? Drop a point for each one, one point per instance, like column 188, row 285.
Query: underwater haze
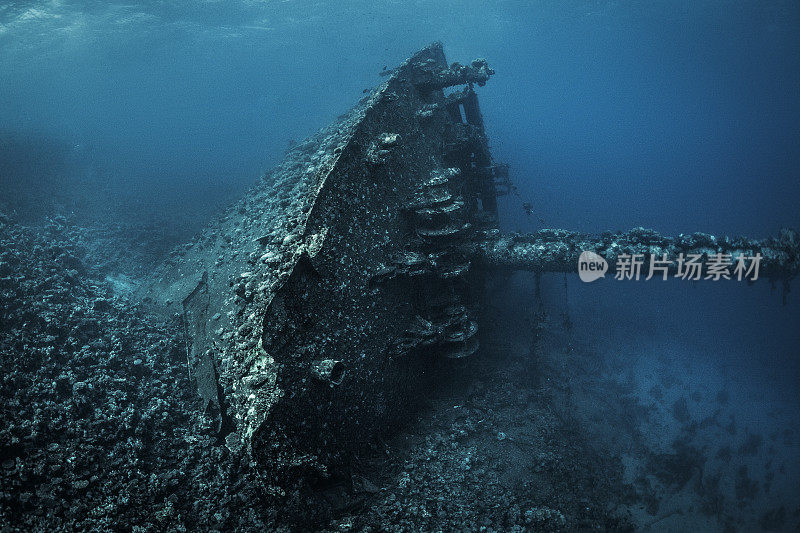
column 125, row 128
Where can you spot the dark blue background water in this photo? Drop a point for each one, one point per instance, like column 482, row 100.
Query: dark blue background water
column 677, row 115
column 680, row 115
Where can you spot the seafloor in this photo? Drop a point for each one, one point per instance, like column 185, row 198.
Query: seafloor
column 100, row 428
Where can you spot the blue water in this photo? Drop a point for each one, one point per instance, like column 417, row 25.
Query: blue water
column 676, row 115
column 682, row 115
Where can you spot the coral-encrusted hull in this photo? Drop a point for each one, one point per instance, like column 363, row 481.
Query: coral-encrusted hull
column 353, row 261
column 322, row 306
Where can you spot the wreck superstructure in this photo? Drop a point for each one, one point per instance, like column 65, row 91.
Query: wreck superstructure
column 321, row 306
column 306, row 303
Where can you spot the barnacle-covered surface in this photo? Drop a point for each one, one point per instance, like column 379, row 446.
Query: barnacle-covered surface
column 100, row 427
column 351, row 252
column 553, row 250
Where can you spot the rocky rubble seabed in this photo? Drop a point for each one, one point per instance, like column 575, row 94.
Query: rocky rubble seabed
column 101, row 428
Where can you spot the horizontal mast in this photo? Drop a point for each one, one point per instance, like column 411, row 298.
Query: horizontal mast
column 558, row 250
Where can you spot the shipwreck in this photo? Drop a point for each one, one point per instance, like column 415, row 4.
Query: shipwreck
column 320, row 306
